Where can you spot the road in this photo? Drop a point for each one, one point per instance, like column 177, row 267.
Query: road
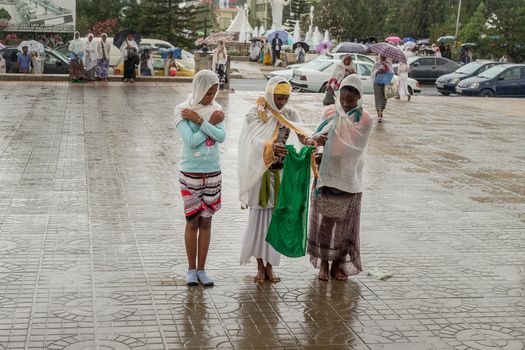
column 260, row 84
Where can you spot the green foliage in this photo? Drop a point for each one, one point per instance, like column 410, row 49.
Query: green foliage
column 4, row 14
column 297, row 10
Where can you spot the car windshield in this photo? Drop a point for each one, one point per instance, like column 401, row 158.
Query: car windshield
column 492, row 72
column 318, row 65
column 59, row 54
column 412, row 59
column 470, row 68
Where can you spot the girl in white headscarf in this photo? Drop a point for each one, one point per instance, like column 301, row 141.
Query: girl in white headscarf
column 103, row 50
column 267, row 128
column 343, row 69
column 220, row 59
column 76, row 52
column 90, row 57
column 199, row 121
column 336, row 196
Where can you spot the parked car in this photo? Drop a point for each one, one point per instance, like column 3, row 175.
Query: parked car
column 314, row 76
column 430, row 68
column 446, row 84
column 288, row 72
column 501, row 80
column 54, row 62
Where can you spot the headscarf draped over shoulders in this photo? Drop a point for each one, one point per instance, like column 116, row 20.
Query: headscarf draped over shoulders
column 259, row 132
column 202, row 82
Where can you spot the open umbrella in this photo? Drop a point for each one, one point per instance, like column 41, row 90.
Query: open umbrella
column 446, row 39
column 282, row 35
column 119, row 39
column 389, row 51
column 177, row 53
column 423, row 42
column 409, row 39
column 324, row 46
column 214, row 38
column 32, row 46
column 305, row 46
column 393, row 39
column 468, row 45
column 410, row 45
column 349, row 47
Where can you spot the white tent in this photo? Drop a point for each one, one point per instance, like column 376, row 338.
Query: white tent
column 237, row 24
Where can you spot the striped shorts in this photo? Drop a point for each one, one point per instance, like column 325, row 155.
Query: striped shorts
column 201, row 193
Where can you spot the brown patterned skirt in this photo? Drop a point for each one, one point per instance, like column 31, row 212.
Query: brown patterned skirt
column 334, row 229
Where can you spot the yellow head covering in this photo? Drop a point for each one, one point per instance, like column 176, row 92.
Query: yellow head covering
column 283, row 88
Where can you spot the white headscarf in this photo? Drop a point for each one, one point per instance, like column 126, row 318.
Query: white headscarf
column 76, row 45
column 341, row 69
column 202, row 82
column 345, row 149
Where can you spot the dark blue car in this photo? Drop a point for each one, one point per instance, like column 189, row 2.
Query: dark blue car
column 446, row 84
column 501, row 80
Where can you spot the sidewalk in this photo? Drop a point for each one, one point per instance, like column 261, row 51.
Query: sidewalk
column 92, row 231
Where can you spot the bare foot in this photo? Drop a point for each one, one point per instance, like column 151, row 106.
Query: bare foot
column 337, row 272
column 270, row 276
column 323, row 271
column 261, row 276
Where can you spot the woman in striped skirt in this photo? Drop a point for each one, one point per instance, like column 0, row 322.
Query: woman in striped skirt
column 382, row 75
column 336, row 197
column 200, row 123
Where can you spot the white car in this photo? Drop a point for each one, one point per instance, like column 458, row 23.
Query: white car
column 288, row 72
column 314, row 76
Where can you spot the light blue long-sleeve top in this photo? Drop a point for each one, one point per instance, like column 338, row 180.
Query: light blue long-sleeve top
column 200, row 154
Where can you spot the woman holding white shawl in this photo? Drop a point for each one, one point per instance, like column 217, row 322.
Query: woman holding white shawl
column 90, row 57
column 200, row 123
column 336, row 197
column 267, row 128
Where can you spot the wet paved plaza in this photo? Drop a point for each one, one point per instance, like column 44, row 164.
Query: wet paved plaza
column 91, row 240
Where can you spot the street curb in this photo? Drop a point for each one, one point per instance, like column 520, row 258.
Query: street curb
column 65, row 77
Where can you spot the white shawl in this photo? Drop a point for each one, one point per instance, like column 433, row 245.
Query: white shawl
column 345, row 149
column 202, row 82
column 90, row 54
column 76, row 46
column 124, row 48
column 107, row 47
column 259, row 131
column 220, row 56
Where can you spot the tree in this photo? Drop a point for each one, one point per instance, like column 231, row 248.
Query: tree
column 298, row 10
column 507, row 29
column 175, row 21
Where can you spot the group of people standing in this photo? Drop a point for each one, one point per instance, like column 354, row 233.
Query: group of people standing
column 267, row 53
column 28, row 62
column 343, row 132
column 89, row 59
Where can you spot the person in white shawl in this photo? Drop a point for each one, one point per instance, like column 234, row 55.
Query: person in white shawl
column 130, row 51
column 336, row 196
column 219, row 63
column 344, row 68
column 103, row 51
column 199, row 121
column 90, row 57
column 76, row 52
column 267, row 128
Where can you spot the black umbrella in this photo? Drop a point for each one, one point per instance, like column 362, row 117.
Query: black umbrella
column 349, row 47
column 119, row 39
column 305, row 46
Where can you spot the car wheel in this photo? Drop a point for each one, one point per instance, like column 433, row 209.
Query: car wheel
column 486, row 93
column 323, row 88
column 445, row 93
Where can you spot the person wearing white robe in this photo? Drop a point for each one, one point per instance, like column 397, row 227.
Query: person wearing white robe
column 76, row 52
column 267, row 127
column 90, row 57
column 103, row 51
column 130, row 51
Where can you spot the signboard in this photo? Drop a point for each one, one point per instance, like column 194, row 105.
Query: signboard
column 42, row 16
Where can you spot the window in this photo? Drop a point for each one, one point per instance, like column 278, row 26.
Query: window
column 511, row 74
column 364, row 70
column 50, row 59
column 426, row 62
column 441, row 61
